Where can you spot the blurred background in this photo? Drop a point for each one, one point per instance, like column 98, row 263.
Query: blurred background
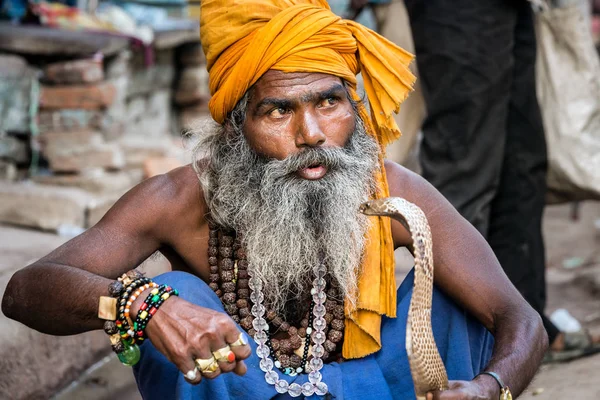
column 96, row 96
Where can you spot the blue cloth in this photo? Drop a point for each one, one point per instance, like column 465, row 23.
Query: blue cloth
column 464, row 344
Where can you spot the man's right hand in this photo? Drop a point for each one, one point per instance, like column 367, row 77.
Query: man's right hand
column 183, row 332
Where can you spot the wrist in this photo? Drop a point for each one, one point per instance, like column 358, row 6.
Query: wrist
column 489, row 388
column 136, row 304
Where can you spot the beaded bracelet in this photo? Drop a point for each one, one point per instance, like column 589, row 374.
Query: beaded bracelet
column 130, row 301
column 150, row 306
column 123, row 314
column 116, row 324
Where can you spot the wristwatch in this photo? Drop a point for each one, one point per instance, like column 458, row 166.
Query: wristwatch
column 505, row 393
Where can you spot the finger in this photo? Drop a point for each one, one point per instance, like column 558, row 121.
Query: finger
column 240, row 346
column 209, row 371
column 180, row 357
column 225, row 357
column 240, row 368
column 193, row 376
column 205, row 362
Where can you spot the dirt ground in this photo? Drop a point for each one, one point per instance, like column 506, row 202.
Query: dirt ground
column 573, row 259
column 573, row 279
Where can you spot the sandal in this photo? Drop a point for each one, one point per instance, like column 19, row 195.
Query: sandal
column 577, row 344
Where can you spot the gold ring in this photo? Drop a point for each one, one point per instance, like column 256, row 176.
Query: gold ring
column 242, row 340
column 207, row 365
column 224, row 355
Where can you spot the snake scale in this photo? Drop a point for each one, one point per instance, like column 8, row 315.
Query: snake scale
column 426, row 366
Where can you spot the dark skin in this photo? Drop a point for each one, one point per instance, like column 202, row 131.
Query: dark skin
column 286, row 114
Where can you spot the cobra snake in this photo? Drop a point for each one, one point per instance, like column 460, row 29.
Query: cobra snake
column 426, row 366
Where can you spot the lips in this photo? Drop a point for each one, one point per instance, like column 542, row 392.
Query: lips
column 313, row 172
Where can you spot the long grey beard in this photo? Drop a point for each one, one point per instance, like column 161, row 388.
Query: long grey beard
column 288, row 224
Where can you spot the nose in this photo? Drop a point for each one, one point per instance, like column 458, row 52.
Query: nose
column 309, row 132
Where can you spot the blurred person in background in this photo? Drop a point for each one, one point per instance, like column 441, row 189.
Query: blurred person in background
column 483, row 141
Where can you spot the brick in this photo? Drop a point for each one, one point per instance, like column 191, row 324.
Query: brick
column 105, row 155
column 73, row 72
column 42, row 207
column 88, row 97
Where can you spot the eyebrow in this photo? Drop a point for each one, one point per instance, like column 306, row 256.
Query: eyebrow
column 336, row 90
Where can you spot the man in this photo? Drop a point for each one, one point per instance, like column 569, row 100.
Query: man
column 284, row 173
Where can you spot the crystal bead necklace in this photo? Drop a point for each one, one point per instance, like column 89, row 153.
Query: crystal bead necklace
column 314, row 384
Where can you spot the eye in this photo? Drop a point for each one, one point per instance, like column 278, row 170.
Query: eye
column 278, row 112
column 329, row 102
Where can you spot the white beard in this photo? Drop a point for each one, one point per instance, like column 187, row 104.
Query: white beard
column 288, row 224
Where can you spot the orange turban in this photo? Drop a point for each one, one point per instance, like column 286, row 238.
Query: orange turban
column 243, row 39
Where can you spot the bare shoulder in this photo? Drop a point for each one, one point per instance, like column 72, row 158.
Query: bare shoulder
column 405, row 183
column 414, row 188
column 166, row 200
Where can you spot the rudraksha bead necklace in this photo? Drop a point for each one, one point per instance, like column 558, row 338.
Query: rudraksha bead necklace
column 229, row 278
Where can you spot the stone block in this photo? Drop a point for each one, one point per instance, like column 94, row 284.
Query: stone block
column 43, row 207
column 103, row 155
column 14, row 149
column 114, row 119
column 66, row 141
column 17, row 84
column 145, row 79
column 160, row 165
column 119, row 65
column 194, row 118
column 149, row 115
column 96, row 181
column 8, row 171
column 137, row 149
column 34, row 365
column 12, row 66
column 70, row 119
column 88, row 70
column 192, row 87
column 89, row 97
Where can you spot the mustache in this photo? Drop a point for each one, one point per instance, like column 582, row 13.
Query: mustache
column 334, row 158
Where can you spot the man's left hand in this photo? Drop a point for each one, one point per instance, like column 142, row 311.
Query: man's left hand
column 466, row 390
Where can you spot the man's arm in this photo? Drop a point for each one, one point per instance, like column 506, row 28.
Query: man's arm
column 59, row 293
column 467, row 270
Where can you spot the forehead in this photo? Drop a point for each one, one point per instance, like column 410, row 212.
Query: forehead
column 291, row 84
